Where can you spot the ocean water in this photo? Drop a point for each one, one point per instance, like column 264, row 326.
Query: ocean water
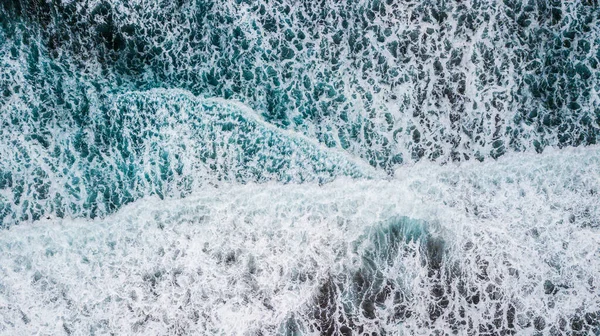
column 199, row 167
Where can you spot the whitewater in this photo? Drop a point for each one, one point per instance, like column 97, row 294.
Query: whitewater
column 493, row 245
column 299, row 167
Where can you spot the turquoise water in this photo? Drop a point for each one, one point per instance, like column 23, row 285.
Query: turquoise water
column 299, row 167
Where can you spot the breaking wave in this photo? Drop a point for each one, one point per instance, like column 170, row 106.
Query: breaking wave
column 299, row 167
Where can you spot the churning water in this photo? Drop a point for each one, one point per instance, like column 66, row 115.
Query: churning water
column 299, row 167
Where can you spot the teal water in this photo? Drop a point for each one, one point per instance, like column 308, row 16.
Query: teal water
column 409, row 167
column 158, row 142
column 388, row 83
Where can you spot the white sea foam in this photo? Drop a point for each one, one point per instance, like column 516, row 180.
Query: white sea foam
column 239, row 259
column 238, row 116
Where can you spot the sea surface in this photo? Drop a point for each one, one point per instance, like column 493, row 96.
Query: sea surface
column 299, row 167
